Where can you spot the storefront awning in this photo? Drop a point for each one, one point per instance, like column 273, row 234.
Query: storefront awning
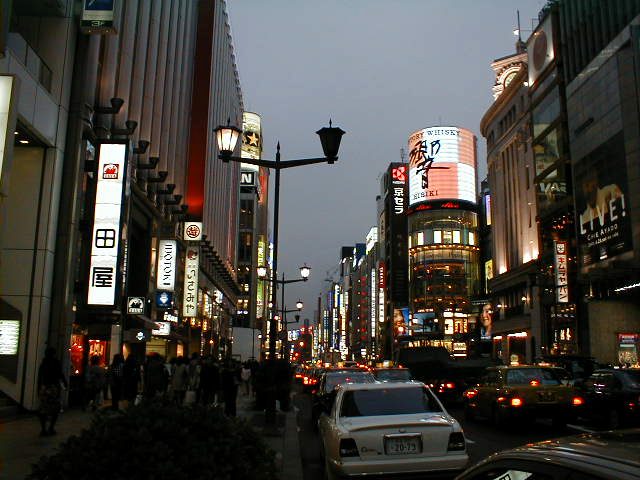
column 145, row 322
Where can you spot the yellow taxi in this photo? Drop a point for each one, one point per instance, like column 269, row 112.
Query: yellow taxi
column 525, row 391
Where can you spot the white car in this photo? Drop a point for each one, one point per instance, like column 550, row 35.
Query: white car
column 390, row 428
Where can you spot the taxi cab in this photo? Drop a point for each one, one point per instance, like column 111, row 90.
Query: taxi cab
column 524, row 391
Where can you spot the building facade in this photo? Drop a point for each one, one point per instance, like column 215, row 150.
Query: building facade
column 443, row 237
column 602, row 94
column 105, row 110
column 512, row 318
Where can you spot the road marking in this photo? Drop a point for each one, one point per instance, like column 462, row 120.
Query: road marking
column 470, row 442
column 581, row 429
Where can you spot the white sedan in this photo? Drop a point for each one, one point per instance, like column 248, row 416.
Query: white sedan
column 390, row 428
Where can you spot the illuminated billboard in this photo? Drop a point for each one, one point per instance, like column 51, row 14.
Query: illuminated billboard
column 442, row 165
column 251, row 139
column 105, row 238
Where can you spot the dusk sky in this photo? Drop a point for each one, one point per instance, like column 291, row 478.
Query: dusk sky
column 380, row 70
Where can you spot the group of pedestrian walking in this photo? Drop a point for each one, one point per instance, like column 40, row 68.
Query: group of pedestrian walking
column 193, row 380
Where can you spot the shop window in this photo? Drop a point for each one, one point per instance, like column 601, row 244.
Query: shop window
column 546, row 151
column 437, row 236
column 420, row 239
column 546, row 112
column 245, row 247
column 246, row 213
column 456, row 236
column 472, row 238
column 447, row 236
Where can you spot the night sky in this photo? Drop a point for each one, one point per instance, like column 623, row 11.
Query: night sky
column 380, row 70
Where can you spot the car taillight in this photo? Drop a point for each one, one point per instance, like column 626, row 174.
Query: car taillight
column 577, row 401
column 450, row 385
column 305, row 380
column 470, row 393
column 456, row 441
column 534, row 383
column 516, row 402
column 313, row 381
column 348, row 447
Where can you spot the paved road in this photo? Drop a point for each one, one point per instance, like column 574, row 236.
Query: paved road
column 483, row 439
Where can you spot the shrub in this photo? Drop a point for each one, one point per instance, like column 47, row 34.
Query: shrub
column 160, row 441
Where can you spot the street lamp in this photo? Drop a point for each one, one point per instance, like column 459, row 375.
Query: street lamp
column 227, row 137
column 262, row 272
column 299, row 304
column 305, row 271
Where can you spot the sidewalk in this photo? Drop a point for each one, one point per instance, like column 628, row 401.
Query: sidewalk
column 21, row 446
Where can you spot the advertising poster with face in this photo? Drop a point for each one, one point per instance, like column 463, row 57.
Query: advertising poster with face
column 602, row 203
column 486, row 323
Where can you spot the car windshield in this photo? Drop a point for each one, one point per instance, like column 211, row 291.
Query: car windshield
column 388, row 401
column 334, row 380
column 393, row 375
column 632, row 378
column 529, row 376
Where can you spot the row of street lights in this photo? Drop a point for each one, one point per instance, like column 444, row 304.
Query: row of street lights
column 227, row 137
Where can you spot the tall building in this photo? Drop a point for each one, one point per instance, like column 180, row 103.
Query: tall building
column 443, row 239
column 393, row 266
column 102, row 103
column 252, row 243
column 600, row 48
column 512, row 317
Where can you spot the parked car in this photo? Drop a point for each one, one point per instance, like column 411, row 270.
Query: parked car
column 605, row 455
column 518, row 392
column 612, row 397
column 579, row 367
column 311, row 379
column 330, row 380
column 390, row 428
column 395, row 374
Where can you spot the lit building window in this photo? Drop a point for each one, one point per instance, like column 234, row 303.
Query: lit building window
column 456, row 236
column 472, row 238
column 437, row 236
column 420, row 238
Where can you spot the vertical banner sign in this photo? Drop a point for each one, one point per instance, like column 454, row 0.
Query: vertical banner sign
column 381, row 288
column 562, row 289
column 166, row 276
column 190, row 290
column 105, row 239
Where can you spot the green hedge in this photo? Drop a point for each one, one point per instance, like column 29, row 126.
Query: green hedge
column 160, row 441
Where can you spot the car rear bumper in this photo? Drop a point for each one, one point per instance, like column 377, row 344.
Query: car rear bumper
column 432, row 466
column 540, row 411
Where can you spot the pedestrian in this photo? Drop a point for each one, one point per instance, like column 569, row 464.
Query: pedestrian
column 195, row 368
column 209, row 381
column 245, row 376
column 156, row 376
column 96, row 379
column 179, row 380
column 230, row 382
column 131, row 379
column 116, row 380
column 50, row 379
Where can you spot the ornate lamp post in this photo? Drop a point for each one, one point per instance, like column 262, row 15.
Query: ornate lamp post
column 227, row 137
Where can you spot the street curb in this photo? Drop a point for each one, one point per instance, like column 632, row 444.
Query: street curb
column 292, row 459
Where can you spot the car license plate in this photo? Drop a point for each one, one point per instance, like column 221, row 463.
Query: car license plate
column 546, row 397
column 402, row 444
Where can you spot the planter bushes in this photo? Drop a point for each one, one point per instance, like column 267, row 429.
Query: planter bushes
column 160, row 441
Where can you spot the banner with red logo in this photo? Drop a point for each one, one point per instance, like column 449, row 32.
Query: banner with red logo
column 105, row 238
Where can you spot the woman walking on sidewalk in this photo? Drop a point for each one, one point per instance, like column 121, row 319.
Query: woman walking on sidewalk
column 116, row 380
column 50, row 377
